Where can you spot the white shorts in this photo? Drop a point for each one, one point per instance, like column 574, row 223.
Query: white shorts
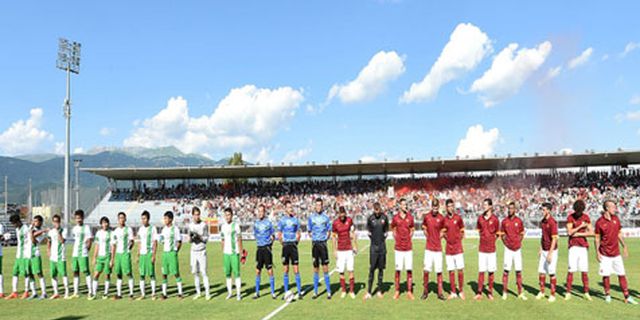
column 512, row 259
column 404, row 260
column 199, row 262
column 578, row 259
column 545, row 267
column 487, row 262
column 455, row 262
column 433, row 261
column 609, row 265
column 345, row 261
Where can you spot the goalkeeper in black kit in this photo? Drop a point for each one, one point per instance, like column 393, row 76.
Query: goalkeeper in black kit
column 377, row 226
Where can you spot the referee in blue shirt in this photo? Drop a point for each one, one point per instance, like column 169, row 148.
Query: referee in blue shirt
column 264, row 234
column 289, row 235
column 319, row 228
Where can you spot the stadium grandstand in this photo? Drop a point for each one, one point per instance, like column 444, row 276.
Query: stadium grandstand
column 527, row 180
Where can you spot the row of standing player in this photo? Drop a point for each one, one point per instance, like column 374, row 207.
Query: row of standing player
column 450, row 227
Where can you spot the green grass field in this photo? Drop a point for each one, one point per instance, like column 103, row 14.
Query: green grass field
column 346, row 308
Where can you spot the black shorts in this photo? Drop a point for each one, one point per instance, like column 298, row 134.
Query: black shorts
column 290, row 253
column 264, row 258
column 377, row 260
column 320, row 254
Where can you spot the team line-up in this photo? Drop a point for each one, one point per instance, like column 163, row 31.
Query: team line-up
column 113, row 249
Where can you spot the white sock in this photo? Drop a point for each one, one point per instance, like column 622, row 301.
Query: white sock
column 76, row 281
column 206, row 285
column 43, row 287
column 229, row 286
column 14, row 284
column 106, row 287
column 153, row 287
column 1, row 284
column 26, row 285
column 65, row 282
column 196, row 280
column 142, row 288
column 119, row 287
column 32, row 286
column 164, row 289
column 238, row 284
column 95, row 285
column 54, row 284
column 87, row 280
column 179, row 288
column 131, row 286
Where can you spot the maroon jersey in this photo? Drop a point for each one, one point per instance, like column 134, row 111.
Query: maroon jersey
column 402, row 232
column 608, row 231
column 343, row 231
column 488, row 228
column 549, row 231
column 577, row 221
column 512, row 229
column 453, row 227
column 433, row 224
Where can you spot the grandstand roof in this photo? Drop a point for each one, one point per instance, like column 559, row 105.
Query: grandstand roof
column 621, row 158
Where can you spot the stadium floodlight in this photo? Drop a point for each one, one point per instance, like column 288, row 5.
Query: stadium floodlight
column 69, row 61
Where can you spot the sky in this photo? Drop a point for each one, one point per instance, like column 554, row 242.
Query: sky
column 301, row 81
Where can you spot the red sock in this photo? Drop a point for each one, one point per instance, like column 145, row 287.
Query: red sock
column 409, row 281
column 553, row 285
column 452, row 281
column 342, row 284
column 607, row 285
column 585, row 281
column 397, row 282
column 425, row 281
column 569, row 282
column 480, row 282
column 542, row 281
column 505, row 282
column 624, row 286
column 440, row 284
column 490, row 282
column 352, row 285
column 460, row 280
column 519, row 281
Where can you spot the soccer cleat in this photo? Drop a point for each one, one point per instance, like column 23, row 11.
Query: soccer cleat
column 131, row 297
column 1, row 295
column 367, row 296
column 478, row 297
column 607, row 299
column 54, row 297
column 328, row 296
column 522, row 297
column 298, row 296
column 504, row 296
column 452, row 296
column 75, row 296
column 43, row 297
column 567, row 296
column 461, row 295
column 552, row 299
column 91, row 297
column 163, row 297
column 410, row 296
column 67, row 297
column 196, row 297
column 116, row 297
column 396, row 295
column 441, row 297
column 180, row 297
column 238, row 297
column 424, row 296
column 273, row 296
column 631, row 301
column 255, row 296
column 140, row 298
column 588, row 296
column 33, row 297
column 540, row 296
column 229, row 296
column 25, row 295
column 207, row 297
column 352, row 295
column 343, row 294
column 13, row 295
column 490, row 297
column 105, row 297
column 154, row 298
column 314, row 296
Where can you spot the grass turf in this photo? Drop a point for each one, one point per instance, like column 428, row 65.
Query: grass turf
column 386, row 308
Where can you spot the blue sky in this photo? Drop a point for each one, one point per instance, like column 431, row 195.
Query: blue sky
column 256, row 77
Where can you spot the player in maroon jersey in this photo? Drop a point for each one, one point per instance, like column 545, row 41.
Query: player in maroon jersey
column 578, row 229
column 432, row 226
column 345, row 247
column 488, row 226
column 548, row 252
column 453, row 228
column 512, row 233
column 402, row 226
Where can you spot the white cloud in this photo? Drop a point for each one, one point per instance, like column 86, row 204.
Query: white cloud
column 296, row 155
column 605, row 57
column 509, row 71
column 383, row 68
column 58, row 148
column 78, row 150
column 630, row 116
column 581, row 59
column 551, row 73
column 629, row 48
column 635, row 99
column 466, row 48
column 478, row 142
column 25, row 136
column 246, row 117
column 106, row 131
column 366, row 159
column 566, row 151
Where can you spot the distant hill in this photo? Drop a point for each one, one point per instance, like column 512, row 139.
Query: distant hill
column 46, row 171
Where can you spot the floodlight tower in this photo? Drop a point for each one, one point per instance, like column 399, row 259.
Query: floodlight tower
column 69, row 61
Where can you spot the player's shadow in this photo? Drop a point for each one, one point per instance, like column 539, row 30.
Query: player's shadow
column 70, row 318
column 530, row 290
column 617, row 288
